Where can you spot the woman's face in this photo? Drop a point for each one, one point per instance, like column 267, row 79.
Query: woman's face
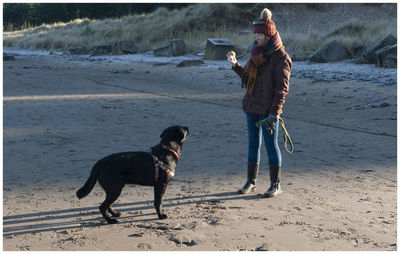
column 260, row 39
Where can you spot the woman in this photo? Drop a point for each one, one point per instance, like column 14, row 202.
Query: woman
column 266, row 79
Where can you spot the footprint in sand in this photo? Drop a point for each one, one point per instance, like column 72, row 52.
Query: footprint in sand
column 183, row 241
column 144, row 246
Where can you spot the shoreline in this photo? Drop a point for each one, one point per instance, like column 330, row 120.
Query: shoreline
column 318, row 72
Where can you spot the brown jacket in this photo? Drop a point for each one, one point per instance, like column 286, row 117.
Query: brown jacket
column 271, row 86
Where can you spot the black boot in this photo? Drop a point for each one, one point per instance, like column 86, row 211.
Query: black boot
column 250, row 185
column 275, row 176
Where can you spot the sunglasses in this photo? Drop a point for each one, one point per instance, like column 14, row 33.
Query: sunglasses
column 256, row 23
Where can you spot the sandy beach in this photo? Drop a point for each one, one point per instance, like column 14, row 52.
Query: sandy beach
column 61, row 114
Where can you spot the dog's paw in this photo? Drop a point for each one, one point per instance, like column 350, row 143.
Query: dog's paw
column 112, row 221
column 162, row 216
column 116, row 214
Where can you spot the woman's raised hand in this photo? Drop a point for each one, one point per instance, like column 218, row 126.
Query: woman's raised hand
column 232, row 58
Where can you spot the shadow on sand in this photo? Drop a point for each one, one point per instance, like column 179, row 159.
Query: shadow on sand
column 67, row 219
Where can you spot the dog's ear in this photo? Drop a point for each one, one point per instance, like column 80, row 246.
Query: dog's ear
column 163, row 134
column 180, row 136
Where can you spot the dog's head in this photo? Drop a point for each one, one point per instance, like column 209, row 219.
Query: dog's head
column 175, row 133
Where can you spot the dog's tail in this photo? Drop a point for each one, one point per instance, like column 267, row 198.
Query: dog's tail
column 91, row 181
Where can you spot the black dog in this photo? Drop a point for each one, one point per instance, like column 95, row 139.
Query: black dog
column 155, row 168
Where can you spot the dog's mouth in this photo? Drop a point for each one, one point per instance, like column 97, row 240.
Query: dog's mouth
column 186, row 131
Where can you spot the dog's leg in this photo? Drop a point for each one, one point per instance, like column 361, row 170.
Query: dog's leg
column 111, row 196
column 113, row 212
column 159, row 190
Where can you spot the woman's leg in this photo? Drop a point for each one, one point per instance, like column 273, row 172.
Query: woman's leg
column 271, row 144
column 254, row 138
column 275, row 161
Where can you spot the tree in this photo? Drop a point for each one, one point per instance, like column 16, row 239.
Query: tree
column 17, row 16
column 24, row 15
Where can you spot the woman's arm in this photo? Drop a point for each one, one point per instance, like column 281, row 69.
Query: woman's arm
column 282, row 76
column 235, row 64
column 238, row 69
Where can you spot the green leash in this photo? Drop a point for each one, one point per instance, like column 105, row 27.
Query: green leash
column 286, row 136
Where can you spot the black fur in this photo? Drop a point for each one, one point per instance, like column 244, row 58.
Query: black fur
column 114, row 171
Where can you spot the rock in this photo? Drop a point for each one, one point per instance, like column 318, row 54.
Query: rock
column 216, row 49
column 390, row 61
column 357, row 51
column 264, row 247
column 187, row 63
column 370, row 56
column 116, row 51
column 79, row 51
column 176, row 47
column 124, row 47
column 331, row 52
column 160, row 64
column 163, row 51
column 100, row 50
column 8, row 58
column 382, row 55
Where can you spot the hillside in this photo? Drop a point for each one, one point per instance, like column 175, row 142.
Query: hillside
column 303, row 27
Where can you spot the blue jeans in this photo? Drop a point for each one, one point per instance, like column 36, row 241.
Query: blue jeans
column 255, row 140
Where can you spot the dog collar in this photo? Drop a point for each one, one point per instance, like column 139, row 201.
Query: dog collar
column 171, row 150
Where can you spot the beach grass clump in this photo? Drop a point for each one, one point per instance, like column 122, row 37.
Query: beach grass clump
column 354, row 32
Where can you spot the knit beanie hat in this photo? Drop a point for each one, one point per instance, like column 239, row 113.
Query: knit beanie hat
column 265, row 25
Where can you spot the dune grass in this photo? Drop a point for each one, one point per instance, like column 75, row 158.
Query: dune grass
column 350, row 34
column 194, row 23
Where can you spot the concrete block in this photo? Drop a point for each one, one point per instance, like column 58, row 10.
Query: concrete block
column 216, row 49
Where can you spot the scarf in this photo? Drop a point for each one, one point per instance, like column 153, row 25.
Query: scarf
column 259, row 55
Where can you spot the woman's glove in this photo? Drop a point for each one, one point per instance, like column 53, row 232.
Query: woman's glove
column 272, row 119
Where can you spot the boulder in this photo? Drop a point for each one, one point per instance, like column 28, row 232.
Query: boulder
column 216, row 49
column 124, row 47
column 176, row 47
column 384, row 56
column 100, row 50
column 187, row 63
column 163, row 51
column 79, row 51
column 331, row 52
column 370, row 56
column 390, row 61
column 357, row 51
